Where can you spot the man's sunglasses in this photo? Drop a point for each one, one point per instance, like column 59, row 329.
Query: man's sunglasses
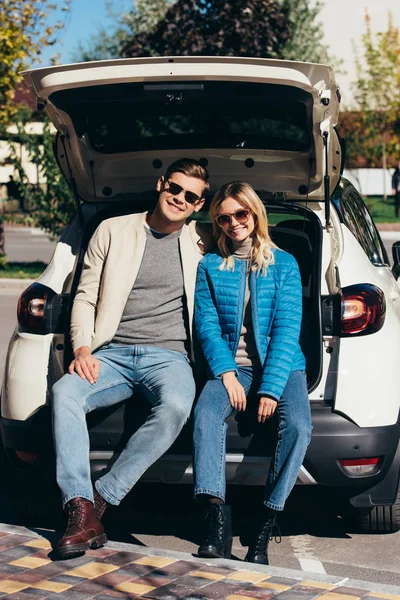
column 241, row 216
column 175, row 190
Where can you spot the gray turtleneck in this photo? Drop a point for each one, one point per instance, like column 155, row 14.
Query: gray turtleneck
column 246, row 355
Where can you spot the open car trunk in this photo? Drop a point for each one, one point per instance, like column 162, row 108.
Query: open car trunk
column 121, row 122
column 293, row 228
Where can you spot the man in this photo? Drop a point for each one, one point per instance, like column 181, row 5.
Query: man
column 396, row 188
column 131, row 328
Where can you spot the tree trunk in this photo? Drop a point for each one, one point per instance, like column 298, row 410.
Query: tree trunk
column 384, row 167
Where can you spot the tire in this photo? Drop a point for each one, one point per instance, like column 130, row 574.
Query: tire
column 380, row 519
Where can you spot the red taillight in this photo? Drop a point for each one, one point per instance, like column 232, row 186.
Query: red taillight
column 363, row 309
column 360, row 466
column 29, row 458
column 31, row 311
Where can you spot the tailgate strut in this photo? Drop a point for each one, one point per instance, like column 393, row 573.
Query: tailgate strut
column 327, row 181
column 73, row 182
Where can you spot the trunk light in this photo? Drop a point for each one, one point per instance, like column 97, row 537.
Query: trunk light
column 359, row 466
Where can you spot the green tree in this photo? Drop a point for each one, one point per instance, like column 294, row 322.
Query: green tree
column 306, row 33
column 24, row 33
column 377, row 88
column 215, row 28
column 50, row 204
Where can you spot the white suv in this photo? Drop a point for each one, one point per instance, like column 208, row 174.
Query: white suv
column 272, row 123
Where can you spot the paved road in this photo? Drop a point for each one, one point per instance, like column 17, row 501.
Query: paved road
column 314, row 538
column 23, row 244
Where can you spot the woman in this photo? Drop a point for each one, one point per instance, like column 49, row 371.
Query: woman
column 248, row 310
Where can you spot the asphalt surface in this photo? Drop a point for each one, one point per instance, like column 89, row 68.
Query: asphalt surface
column 314, row 537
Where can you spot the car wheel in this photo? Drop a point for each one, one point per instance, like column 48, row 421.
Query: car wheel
column 380, row 519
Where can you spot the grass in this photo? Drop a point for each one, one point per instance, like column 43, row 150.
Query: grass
column 22, row 270
column 381, row 211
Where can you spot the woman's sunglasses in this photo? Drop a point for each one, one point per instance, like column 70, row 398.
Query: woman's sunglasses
column 175, row 189
column 241, row 216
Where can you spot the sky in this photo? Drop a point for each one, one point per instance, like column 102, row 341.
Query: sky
column 341, row 20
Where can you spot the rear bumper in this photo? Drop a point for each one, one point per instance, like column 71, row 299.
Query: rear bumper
column 333, row 438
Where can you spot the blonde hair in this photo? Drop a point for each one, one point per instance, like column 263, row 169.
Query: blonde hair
column 261, row 253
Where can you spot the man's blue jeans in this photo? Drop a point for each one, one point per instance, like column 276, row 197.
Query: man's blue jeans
column 294, row 433
column 163, row 376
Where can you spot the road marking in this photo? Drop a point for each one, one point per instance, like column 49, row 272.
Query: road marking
column 304, row 554
column 311, row 565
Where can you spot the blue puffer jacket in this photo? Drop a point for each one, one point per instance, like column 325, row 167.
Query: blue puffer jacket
column 276, row 307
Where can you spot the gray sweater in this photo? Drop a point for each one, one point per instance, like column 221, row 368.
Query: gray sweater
column 155, row 314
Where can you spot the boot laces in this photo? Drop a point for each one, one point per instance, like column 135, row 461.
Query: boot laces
column 76, row 516
column 269, row 531
column 214, row 523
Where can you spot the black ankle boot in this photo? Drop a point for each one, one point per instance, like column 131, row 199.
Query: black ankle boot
column 217, row 542
column 267, row 530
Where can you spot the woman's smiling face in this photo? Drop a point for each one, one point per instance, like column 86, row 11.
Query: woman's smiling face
column 239, row 232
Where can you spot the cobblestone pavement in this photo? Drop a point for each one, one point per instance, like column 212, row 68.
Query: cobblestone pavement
column 29, row 571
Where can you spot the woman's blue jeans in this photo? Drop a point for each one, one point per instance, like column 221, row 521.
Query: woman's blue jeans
column 164, row 376
column 294, row 433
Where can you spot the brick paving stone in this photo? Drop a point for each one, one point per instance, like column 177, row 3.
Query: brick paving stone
column 137, row 570
column 122, row 558
column 170, row 592
column 351, row 591
column 37, row 594
column 16, row 552
column 25, row 595
column 219, row 590
column 101, row 552
column 152, row 580
column 92, row 587
column 65, row 578
column 251, row 592
column 294, row 594
column 193, row 582
column 11, row 569
column 282, row 580
column 29, row 576
column 181, row 567
column 111, row 596
column 13, row 539
column 114, row 578
column 311, row 589
column 218, row 570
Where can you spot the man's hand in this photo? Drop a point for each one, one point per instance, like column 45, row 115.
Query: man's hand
column 266, row 408
column 236, row 393
column 393, row 192
column 85, row 364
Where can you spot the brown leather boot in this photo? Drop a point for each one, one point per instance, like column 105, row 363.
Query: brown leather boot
column 84, row 529
column 100, row 505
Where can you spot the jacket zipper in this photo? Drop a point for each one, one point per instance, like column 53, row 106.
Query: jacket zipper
column 243, row 267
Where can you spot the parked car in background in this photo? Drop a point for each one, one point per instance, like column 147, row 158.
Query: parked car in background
column 269, row 122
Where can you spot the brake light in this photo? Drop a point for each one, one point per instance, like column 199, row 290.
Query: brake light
column 363, row 309
column 31, row 311
column 29, row 458
column 360, row 466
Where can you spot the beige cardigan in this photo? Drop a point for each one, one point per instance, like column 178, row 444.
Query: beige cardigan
column 110, row 268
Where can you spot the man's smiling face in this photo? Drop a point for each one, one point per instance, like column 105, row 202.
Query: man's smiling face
column 174, row 208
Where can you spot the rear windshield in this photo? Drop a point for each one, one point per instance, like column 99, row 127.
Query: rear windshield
column 137, row 116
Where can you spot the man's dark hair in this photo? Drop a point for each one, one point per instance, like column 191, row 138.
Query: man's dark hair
column 191, row 168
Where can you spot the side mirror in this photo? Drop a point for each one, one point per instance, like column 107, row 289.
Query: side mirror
column 396, row 259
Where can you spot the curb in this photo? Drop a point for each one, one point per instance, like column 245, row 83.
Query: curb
column 14, row 285
column 300, row 576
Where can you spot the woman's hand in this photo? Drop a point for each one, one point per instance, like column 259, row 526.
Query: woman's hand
column 236, row 393
column 85, row 364
column 266, row 408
